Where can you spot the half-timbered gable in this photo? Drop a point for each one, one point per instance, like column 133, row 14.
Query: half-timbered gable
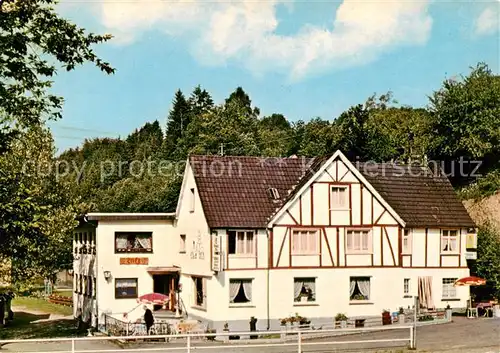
column 335, row 218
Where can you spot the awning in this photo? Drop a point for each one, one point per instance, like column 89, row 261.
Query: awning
column 162, row 270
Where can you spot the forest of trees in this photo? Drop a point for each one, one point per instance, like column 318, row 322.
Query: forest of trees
column 462, row 119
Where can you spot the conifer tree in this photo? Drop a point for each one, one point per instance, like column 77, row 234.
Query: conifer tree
column 177, row 121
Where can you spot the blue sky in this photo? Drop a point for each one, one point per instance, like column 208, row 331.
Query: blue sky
column 301, row 59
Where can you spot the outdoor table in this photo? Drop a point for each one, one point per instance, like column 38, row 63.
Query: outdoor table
column 487, row 307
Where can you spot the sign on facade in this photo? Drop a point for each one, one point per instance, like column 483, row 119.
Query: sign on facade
column 134, row 261
column 471, row 255
column 198, row 252
column 216, row 253
column 471, row 241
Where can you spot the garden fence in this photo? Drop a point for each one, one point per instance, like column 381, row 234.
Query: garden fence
column 296, row 341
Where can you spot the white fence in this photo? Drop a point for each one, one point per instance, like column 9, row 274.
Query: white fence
column 293, row 341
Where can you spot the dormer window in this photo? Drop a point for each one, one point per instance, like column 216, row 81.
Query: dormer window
column 273, row 194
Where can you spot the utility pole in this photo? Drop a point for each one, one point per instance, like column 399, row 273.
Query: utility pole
column 221, row 152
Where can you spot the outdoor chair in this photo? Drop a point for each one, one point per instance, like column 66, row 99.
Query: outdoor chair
column 471, row 311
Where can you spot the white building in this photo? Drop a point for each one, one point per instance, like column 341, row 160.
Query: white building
column 273, row 237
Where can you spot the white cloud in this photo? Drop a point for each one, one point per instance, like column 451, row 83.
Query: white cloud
column 245, row 31
column 488, row 21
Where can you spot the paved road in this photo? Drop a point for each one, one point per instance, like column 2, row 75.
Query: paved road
column 461, row 336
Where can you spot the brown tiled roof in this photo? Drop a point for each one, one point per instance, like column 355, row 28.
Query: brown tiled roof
column 421, row 197
column 234, row 190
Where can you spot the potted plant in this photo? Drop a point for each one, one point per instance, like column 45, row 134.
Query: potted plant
column 340, row 321
column 359, row 297
column 283, row 323
column 449, row 312
column 304, row 322
column 386, row 317
column 401, row 316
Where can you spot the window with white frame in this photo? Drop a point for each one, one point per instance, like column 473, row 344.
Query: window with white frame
column 136, row 242
column 304, row 290
column 338, row 197
column 182, row 245
column 241, row 243
column 407, row 240
column 449, row 241
column 191, row 200
column 305, row 242
column 358, row 241
column 126, row 288
column 240, row 291
column 406, row 286
column 359, row 288
column 449, row 290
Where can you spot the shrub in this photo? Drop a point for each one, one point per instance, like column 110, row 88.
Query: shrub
column 341, row 317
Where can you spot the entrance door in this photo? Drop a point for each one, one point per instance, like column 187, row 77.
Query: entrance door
column 166, row 284
column 161, row 284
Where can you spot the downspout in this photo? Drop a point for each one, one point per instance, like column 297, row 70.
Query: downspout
column 267, row 280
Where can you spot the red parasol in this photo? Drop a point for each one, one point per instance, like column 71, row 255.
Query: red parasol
column 470, row 281
column 153, row 298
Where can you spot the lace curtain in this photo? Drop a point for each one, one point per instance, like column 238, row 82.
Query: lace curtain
column 121, row 241
column 364, row 287
column 234, row 288
column 142, row 241
column 297, row 288
column 247, row 288
column 352, row 287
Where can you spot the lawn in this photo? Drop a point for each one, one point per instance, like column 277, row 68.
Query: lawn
column 40, row 306
column 22, row 328
column 27, row 310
